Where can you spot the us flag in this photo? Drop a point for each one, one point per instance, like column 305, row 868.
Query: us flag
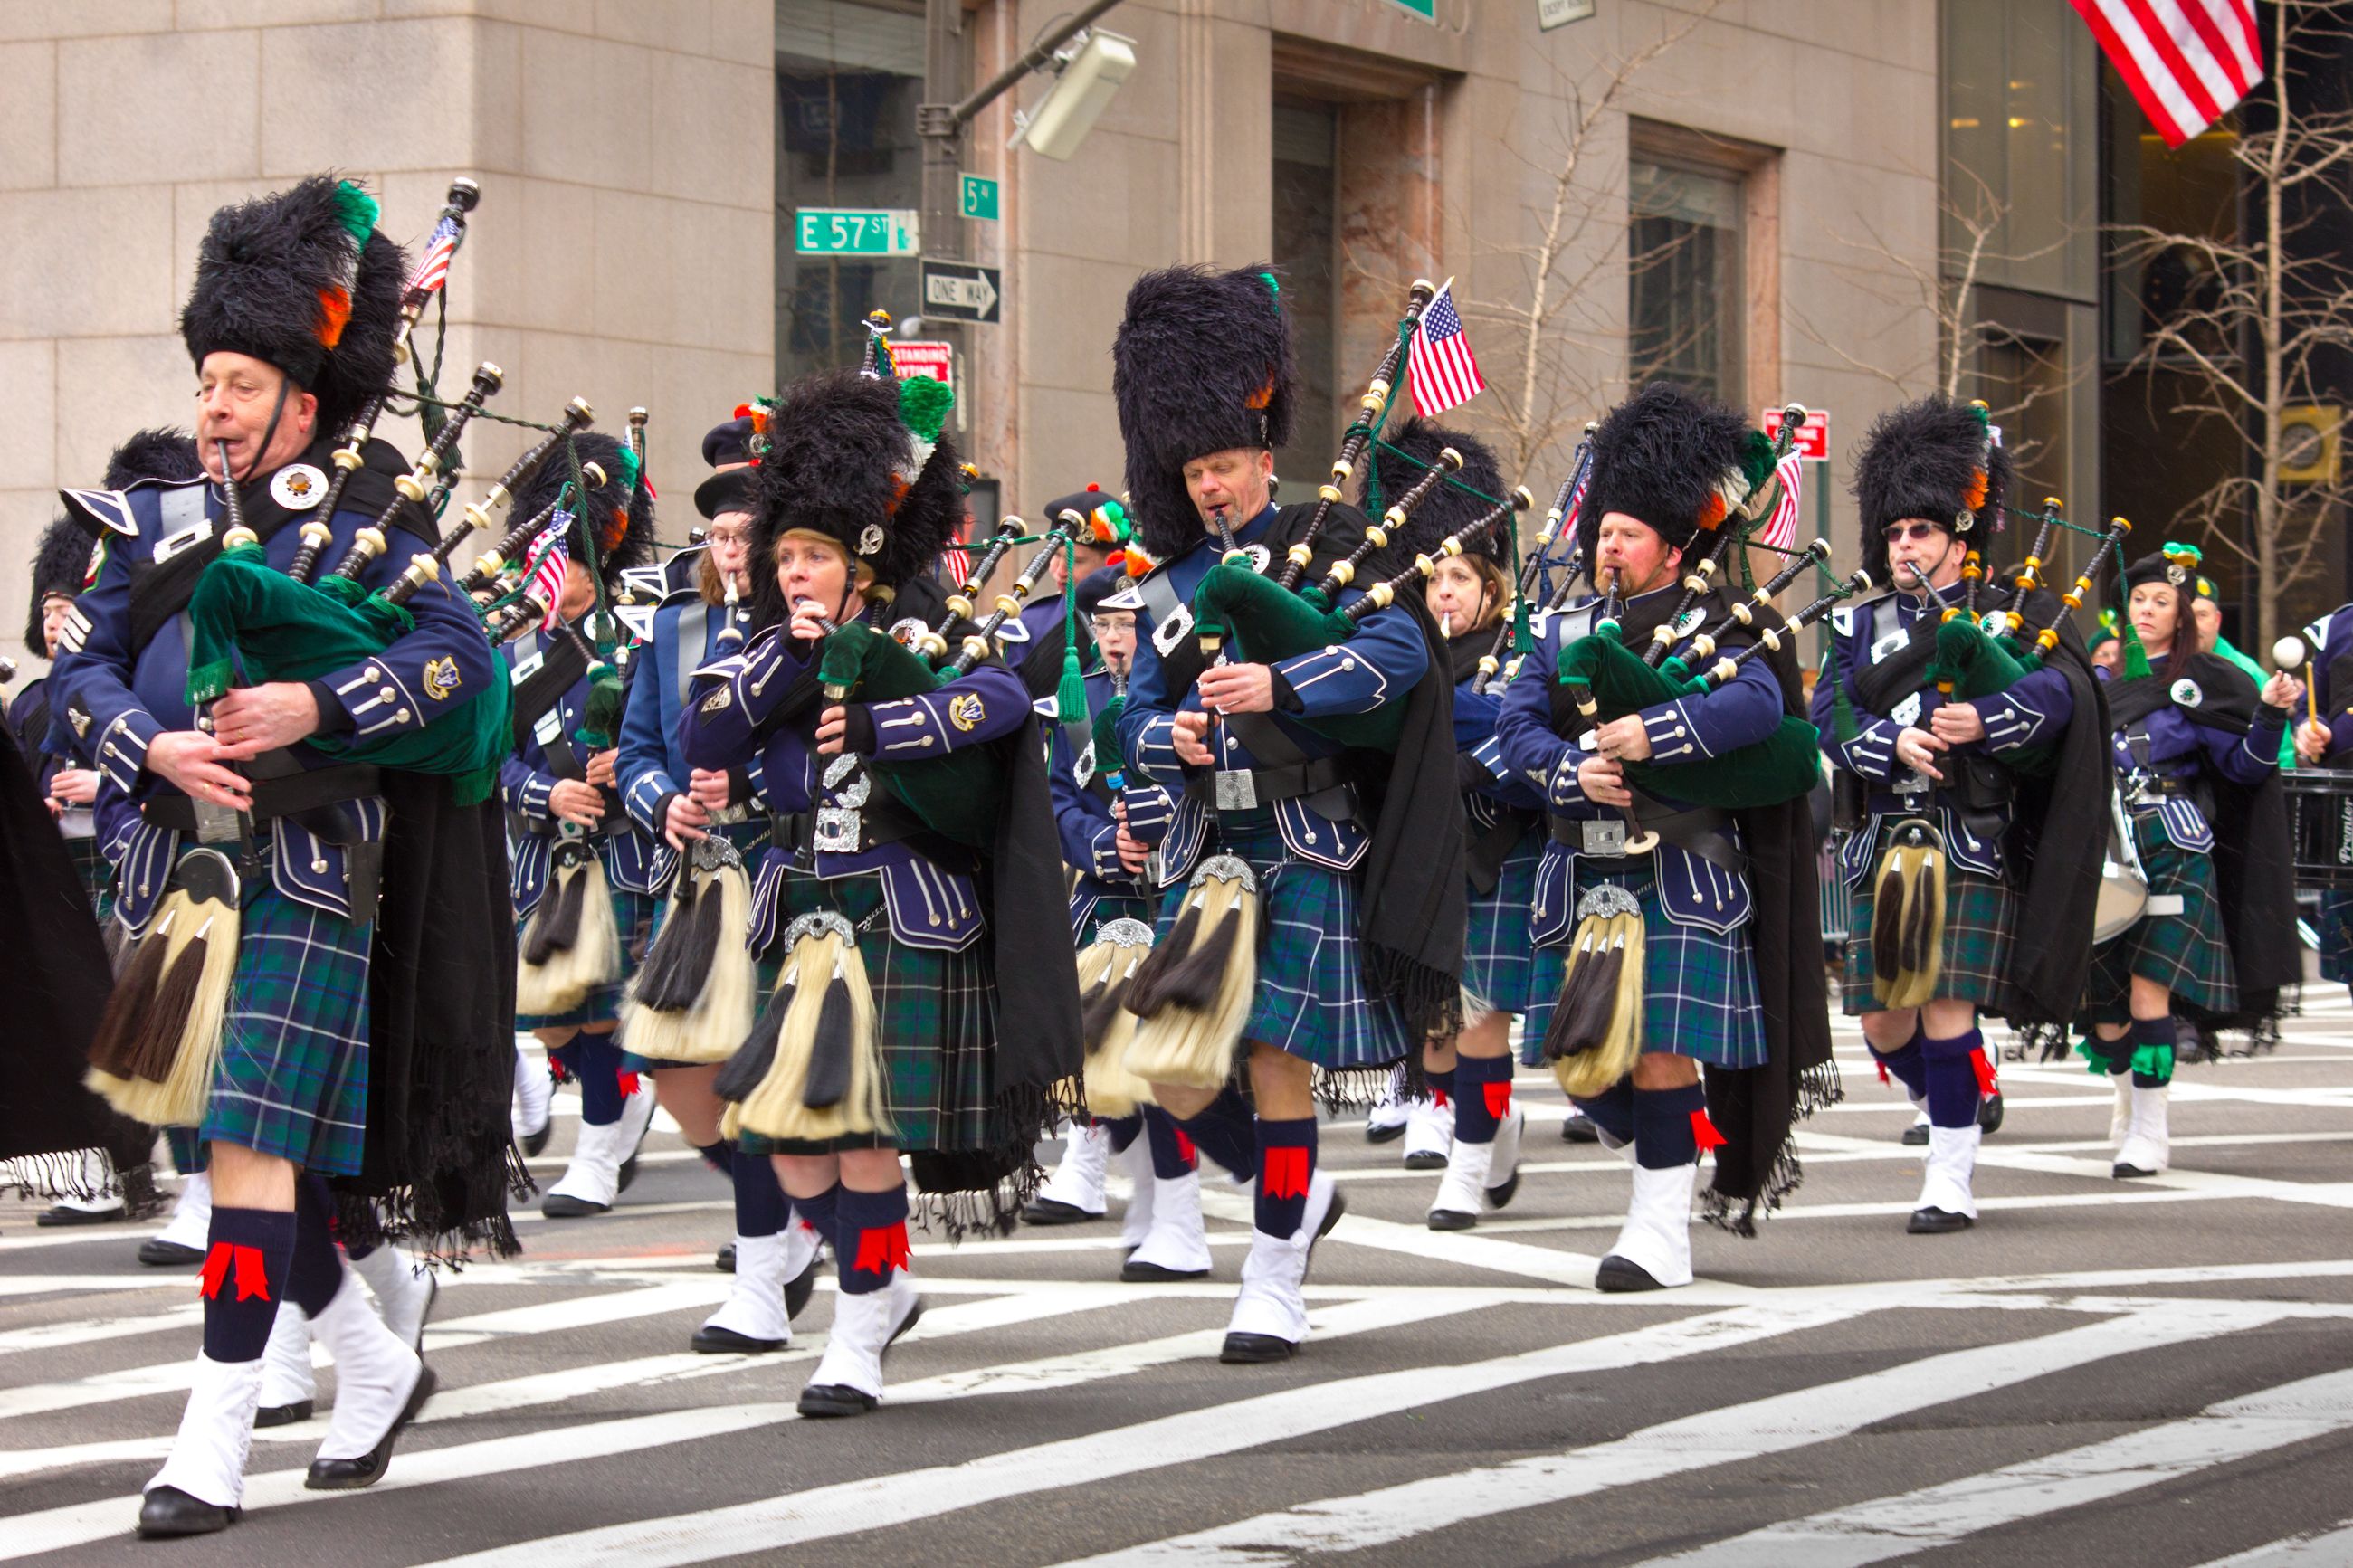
column 433, row 268
column 956, row 561
column 1780, row 530
column 543, row 582
column 2187, row 61
column 1444, row 374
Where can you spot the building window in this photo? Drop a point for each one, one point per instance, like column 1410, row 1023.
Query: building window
column 1307, row 254
column 849, row 77
column 1685, row 289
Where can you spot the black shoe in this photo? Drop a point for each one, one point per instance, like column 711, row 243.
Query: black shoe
column 1255, row 1350
column 630, row 1165
column 167, row 1511
column 1054, row 1211
column 2124, row 1172
column 1620, row 1276
column 1501, row 1194
column 1936, row 1222
column 535, row 1142
column 1916, row 1134
column 724, row 1259
column 564, row 1205
column 1384, row 1134
column 1579, row 1130
column 348, row 1474
column 282, row 1415
column 801, row 1287
column 820, row 1401
column 157, row 1253
column 1452, row 1220
column 708, row 1341
column 66, row 1213
column 1425, row 1160
column 1134, row 1273
column 1990, row 1113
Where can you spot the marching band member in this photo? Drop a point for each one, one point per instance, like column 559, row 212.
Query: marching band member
column 1932, row 481
column 1731, row 975
column 894, row 951
column 681, row 807
column 290, row 325
column 584, row 872
column 2196, row 752
column 1363, row 933
column 2324, row 736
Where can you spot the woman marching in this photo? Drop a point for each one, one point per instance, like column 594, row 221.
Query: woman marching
column 584, row 873
column 893, row 948
column 2196, row 751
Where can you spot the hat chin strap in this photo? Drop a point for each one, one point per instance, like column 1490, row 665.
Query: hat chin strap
column 269, row 432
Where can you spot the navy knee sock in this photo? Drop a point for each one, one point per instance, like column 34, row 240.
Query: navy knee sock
column 244, row 1276
column 870, row 1238
column 820, row 1214
column 1612, row 1110
column 1483, row 1097
column 1123, row 1130
column 1441, row 1084
column 1666, row 1135
column 597, row 1063
column 1955, row 1070
column 759, row 1199
column 1223, row 1132
column 1905, row 1064
column 1172, row 1152
column 1286, row 1160
column 720, row 1156
column 316, row 1270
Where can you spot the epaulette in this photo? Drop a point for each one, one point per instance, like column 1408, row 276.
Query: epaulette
column 101, row 513
column 1842, row 616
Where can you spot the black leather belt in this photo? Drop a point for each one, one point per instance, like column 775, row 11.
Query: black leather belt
column 306, row 797
column 611, row 825
column 1702, row 830
column 1268, row 785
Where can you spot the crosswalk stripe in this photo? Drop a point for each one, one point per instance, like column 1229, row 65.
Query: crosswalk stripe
column 1720, row 1436
column 2331, row 1548
column 776, row 1523
column 1922, row 1521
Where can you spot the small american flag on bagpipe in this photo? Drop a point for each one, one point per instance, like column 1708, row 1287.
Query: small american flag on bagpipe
column 440, row 249
column 543, row 582
column 1780, row 529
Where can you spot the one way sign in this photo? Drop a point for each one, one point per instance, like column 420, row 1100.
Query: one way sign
column 961, row 290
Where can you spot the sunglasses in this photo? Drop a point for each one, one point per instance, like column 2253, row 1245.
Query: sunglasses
column 1896, row 530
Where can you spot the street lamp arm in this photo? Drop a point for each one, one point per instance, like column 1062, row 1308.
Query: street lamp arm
column 935, row 120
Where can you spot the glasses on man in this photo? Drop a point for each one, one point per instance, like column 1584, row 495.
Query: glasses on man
column 1895, row 531
column 725, row 536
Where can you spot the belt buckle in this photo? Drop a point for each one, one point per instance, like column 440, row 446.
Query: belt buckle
column 837, row 830
column 215, row 823
column 1236, row 790
column 730, row 816
column 1605, row 836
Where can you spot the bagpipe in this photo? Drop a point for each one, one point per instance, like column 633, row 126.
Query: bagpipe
column 1563, row 513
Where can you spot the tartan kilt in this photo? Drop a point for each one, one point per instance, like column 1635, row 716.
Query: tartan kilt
column 293, row 1074
column 2336, row 925
column 1980, row 935
column 97, row 876
column 1090, row 913
column 2187, row 953
column 750, row 839
column 935, row 1014
column 1311, row 1000
column 633, row 913
column 1700, row 997
column 1498, row 958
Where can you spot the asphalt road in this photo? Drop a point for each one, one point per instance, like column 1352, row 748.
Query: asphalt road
column 2155, row 1372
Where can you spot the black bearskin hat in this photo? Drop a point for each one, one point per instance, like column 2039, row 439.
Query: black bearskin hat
column 1448, row 508
column 1670, row 458
column 1934, row 459
column 1202, row 363
column 166, row 454
column 59, row 567
column 620, row 509
column 302, row 279
column 848, row 457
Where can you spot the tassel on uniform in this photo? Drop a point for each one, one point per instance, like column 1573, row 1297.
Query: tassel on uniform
column 160, row 1037
column 1703, row 1133
column 1597, row 1029
column 1191, row 996
column 752, row 1060
column 1107, row 969
column 826, row 1048
column 692, row 1001
column 574, row 944
column 1907, row 918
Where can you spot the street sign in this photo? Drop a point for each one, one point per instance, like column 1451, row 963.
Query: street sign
column 1425, row 9
column 855, row 231
column 1813, row 435
column 979, row 194
column 1551, row 14
column 961, row 290
column 921, row 358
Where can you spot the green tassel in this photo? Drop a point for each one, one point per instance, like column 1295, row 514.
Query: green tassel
column 356, row 211
column 2137, row 663
column 924, row 405
column 1070, row 695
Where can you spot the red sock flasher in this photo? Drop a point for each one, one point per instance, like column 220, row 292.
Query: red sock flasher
column 1703, row 1133
column 1286, row 1173
column 879, row 1251
column 228, row 1257
column 1499, row 1098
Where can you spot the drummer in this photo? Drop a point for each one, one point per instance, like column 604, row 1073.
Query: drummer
column 2325, row 739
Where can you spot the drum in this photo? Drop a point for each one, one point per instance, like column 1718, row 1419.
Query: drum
column 2320, row 807
column 2124, row 885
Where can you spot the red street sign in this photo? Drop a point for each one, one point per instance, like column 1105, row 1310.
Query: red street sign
column 1813, row 435
column 932, row 359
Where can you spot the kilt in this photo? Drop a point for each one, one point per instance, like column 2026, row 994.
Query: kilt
column 1310, row 1001
column 750, row 839
column 1699, row 987
column 97, row 876
column 633, row 913
column 293, row 1074
column 1090, row 913
column 2187, row 953
column 935, row 1014
column 2336, row 925
column 1498, row 958
column 1980, row 933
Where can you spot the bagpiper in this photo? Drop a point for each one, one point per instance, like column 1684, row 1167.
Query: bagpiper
column 284, row 859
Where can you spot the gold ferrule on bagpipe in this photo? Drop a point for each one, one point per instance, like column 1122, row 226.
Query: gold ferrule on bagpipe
column 2074, row 598
column 1342, row 573
column 577, row 416
column 316, row 536
column 417, row 483
column 463, row 197
column 931, row 645
column 1299, row 555
column 493, row 564
column 1374, row 407
column 1772, row 638
column 1009, row 529
column 959, row 607
column 1450, row 461
column 366, row 545
column 423, row 567
column 1382, row 595
column 976, row 647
